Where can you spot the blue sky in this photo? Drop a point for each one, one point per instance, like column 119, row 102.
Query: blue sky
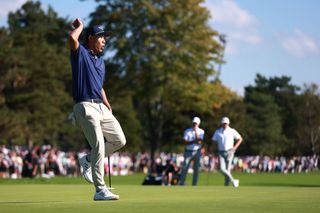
column 270, row 37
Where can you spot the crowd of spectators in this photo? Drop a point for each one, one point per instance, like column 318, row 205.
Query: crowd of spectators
column 39, row 161
column 47, row 161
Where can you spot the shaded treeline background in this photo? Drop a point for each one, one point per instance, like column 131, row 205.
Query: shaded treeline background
column 161, row 71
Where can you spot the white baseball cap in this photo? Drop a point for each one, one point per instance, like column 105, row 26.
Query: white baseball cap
column 196, row 120
column 225, row 120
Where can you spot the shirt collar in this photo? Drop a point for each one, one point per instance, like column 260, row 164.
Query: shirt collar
column 91, row 52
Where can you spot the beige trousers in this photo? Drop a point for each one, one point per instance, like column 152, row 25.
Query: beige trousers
column 97, row 123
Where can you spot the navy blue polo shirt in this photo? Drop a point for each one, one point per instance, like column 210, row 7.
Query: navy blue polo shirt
column 88, row 73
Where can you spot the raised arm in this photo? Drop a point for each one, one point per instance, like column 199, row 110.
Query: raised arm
column 198, row 139
column 75, row 34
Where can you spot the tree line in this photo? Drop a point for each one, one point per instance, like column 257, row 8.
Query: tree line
column 158, row 63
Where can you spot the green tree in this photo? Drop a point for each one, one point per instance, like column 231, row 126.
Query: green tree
column 265, row 130
column 35, row 75
column 121, row 100
column 287, row 98
column 164, row 52
column 265, row 134
column 308, row 130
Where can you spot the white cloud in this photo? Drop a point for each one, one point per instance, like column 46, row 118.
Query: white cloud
column 300, row 44
column 240, row 26
column 246, row 37
column 229, row 13
column 232, row 49
column 9, row 6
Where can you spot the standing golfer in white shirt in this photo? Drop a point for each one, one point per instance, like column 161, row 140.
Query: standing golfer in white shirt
column 226, row 137
column 192, row 138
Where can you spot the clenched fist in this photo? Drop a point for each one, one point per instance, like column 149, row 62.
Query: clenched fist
column 76, row 23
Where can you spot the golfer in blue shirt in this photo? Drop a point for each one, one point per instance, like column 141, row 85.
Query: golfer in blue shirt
column 92, row 110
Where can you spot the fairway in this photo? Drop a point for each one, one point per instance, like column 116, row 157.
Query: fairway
column 258, row 193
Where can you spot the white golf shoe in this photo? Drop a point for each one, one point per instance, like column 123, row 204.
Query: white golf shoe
column 85, row 169
column 236, row 183
column 105, row 194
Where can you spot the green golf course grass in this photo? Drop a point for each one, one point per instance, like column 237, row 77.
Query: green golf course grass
column 257, row 193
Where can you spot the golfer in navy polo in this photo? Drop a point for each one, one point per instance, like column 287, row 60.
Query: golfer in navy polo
column 92, row 110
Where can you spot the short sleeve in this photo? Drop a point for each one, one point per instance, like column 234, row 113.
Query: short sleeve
column 202, row 135
column 214, row 136
column 74, row 54
column 236, row 134
column 185, row 135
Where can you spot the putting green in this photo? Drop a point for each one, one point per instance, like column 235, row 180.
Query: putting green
column 258, row 193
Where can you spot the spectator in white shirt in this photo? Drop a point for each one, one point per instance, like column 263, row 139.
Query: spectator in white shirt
column 192, row 138
column 226, row 137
